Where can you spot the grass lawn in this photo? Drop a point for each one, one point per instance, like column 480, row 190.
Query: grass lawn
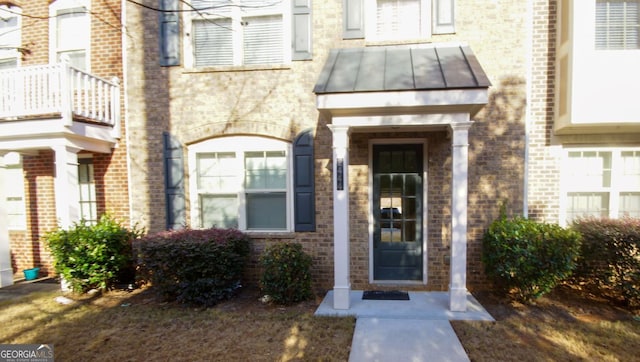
column 121, row 326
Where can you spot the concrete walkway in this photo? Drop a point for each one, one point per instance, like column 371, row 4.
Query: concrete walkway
column 397, row 330
column 23, row 288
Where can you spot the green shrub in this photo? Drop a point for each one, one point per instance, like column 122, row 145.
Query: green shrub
column 92, row 256
column 199, row 267
column 610, row 257
column 286, row 278
column 526, row 259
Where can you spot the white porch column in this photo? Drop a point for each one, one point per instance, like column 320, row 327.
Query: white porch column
column 458, row 266
column 341, row 271
column 66, row 186
column 6, row 272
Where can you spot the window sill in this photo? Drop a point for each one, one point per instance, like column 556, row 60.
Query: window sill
column 238, row 68
column 374, row 43
column 271, row 234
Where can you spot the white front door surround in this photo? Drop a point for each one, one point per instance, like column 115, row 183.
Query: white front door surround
column 342, row 283
column 428, row 87
column 459, row 192
column 458, row 125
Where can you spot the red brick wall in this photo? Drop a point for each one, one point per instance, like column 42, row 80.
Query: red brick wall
column 110, row 169
column 28, row 251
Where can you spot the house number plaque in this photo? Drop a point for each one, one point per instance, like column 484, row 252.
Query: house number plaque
column 340, row 174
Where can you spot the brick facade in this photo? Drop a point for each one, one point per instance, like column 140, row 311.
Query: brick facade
column 544, row 156
column 514, row 155
column 279, row 103
column 110, row 170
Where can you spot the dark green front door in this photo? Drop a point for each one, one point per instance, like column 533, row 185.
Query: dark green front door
column 397, row 210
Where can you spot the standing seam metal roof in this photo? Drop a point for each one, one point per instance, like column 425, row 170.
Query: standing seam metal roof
column 375, row 69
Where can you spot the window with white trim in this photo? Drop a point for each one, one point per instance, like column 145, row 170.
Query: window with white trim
column 617, row 24
column 70, row 37
column 241, row 182
column 10, row 36
column 602, row 183
column 239, row 32
column 87, row 188
column 13, row 177
column 398, row 20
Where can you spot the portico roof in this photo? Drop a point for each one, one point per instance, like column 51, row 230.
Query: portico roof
column 407, row 79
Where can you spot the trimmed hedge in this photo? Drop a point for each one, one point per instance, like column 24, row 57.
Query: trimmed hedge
column 199, row 267
column 92, row 256
column 287, row 273
column 526, row 259
column 610, row 257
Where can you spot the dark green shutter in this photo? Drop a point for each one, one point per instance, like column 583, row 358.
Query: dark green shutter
column 353, row 19
column 302, row 30
column 174, row 182
column 169, row 33
column 304, row 184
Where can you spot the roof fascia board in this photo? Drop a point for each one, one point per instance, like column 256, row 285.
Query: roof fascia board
column 436, row 119
column 469, row 100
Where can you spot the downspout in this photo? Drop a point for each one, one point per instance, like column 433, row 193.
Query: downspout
column 527, row 112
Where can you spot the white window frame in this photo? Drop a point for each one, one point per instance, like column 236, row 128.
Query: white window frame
column 87, row 190
column 9, row 54
column 235, row 12
column 607, row 29
column 54, row 9
column 371, row 19
column 239, row 145
column 616, row 187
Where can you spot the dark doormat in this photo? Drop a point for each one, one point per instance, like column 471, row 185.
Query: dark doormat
column 385, row 295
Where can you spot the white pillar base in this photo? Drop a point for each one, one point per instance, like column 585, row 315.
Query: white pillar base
column 457, row 299
column 6, row 277
column 64, row 285
column 341, row 297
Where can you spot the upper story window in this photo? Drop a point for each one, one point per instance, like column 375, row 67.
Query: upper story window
column 10, row 36
column 602, row 183
column 239, row 32
column 70, row 32
column 397, row 20
column 617, row 24
column 241, row 182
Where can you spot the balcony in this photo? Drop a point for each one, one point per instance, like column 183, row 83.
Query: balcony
column 57, row 105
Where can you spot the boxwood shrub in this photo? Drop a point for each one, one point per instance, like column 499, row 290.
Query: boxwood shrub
column 286, row 278
column 92, row 256
column 610, row 257
column 198, row 267
column 526, row 259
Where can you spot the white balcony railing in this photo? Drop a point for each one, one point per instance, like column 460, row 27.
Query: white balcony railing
column 58, row 90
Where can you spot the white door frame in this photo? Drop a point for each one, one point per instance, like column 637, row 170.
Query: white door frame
column 392, row 141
